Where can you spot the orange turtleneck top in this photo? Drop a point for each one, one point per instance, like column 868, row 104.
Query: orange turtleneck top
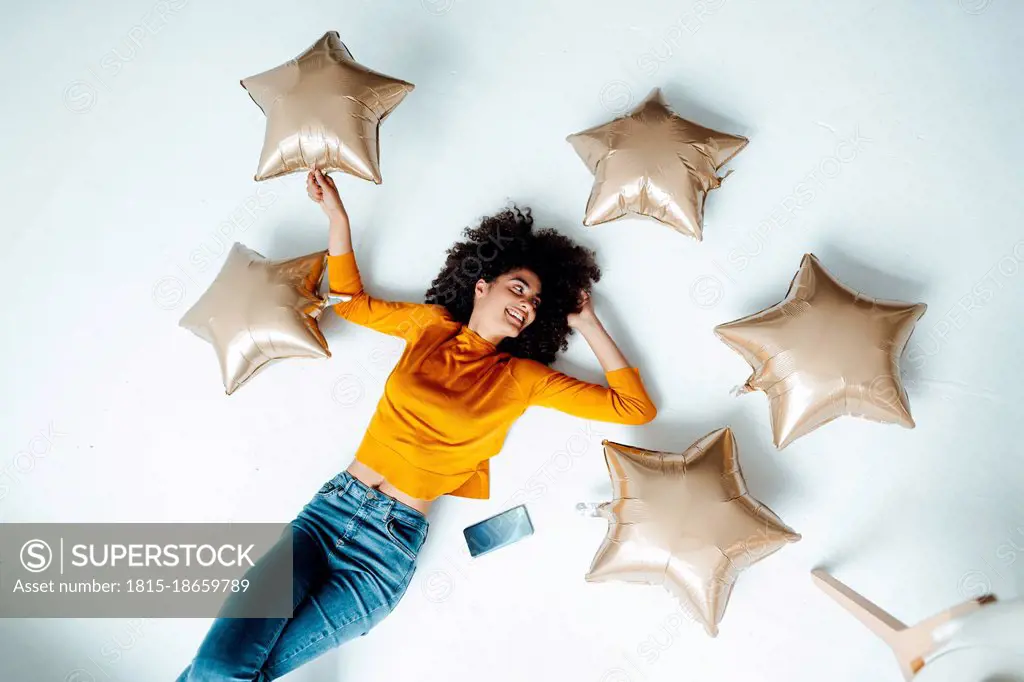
column 451, row 398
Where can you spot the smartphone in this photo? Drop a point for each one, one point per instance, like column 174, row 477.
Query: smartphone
column 498, row 531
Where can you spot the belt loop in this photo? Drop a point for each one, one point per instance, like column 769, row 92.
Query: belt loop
column 350, row 479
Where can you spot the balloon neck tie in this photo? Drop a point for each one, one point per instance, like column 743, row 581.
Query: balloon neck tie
column 588, row 509
column 719, row 180
column 338, row 298
column 741, row 389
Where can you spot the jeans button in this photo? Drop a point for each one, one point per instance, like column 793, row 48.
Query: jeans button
column 370, row 494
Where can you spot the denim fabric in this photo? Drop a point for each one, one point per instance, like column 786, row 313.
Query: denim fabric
column 354, row 553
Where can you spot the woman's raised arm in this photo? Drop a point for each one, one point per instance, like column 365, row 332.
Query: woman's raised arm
column 397, row 318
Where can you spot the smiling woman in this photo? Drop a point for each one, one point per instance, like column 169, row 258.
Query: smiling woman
column 476, row 357
column 478, row 352
column 503, row 270
column 514, row 293
column 525, row 285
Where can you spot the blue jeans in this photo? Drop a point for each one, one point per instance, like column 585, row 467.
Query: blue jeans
column 353, row 552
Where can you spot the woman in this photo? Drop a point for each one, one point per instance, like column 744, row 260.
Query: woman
column 476, row 356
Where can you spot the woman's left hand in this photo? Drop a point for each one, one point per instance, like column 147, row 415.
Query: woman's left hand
column 585, row 314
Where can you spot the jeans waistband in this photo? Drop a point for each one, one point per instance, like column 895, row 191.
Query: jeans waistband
column 374, row 497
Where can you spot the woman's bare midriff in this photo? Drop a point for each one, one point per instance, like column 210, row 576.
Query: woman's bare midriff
column 377, row 481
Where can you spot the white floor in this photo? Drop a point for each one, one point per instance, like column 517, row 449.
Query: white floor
column 127, row 161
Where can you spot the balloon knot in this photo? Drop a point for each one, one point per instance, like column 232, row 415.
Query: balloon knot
column 718, row 180
column 740, row 390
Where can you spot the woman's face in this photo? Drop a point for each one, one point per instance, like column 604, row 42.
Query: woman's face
column 508, row 305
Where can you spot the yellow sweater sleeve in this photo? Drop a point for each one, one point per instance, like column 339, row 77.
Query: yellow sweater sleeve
column 397, row 318
column 623, row 401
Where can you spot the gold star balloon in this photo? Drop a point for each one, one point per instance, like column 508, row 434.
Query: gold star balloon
column 651, row 162
column 825, row 351
column 257, row 310
column 324, row 110
column 684, row 521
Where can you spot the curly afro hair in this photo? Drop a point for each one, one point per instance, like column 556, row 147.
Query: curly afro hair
column 507, row 241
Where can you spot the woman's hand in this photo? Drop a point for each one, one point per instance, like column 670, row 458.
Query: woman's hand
column 322, row 190
column 585, row 315
column 585, row 321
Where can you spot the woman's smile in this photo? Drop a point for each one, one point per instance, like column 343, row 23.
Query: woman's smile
column 517, row 317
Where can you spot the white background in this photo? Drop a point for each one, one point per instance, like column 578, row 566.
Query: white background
column 127, row 162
